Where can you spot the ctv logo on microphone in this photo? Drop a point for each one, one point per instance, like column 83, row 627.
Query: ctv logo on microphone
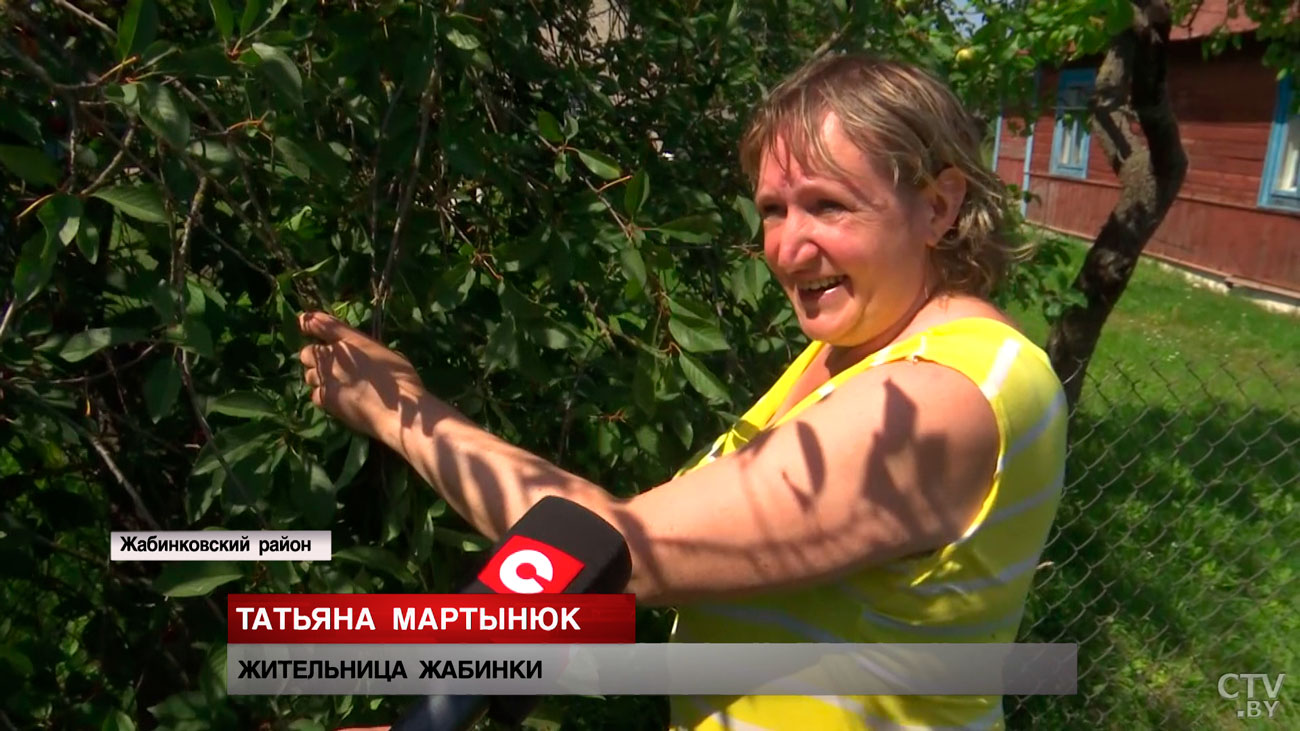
column 526, row 566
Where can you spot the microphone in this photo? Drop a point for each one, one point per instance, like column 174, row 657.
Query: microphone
column 571, row 550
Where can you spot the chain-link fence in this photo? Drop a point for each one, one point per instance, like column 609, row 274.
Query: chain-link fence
column 1174, row 557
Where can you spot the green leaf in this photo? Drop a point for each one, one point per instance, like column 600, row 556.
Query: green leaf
column 137, row 28
column 633, row 265
column 251, row 10
column 502, row 349
column 35, row 265
column 184, row 710
column 88, row 240
column 749, row 212
column 248, row 482
column 208, row 61
column 702, row 379
column 682, row 427
column 697, row 337
column 223, row 17
column 214, row 155
column 599, row 163
column 313, row 492
column 748, row 280
column 244, row 404
column 235, row 444
column 460, row 540
column 733, row 15
column 194, row 578
column 192, row 335
column 377, row 559
column 294, row 158
column 358, row 450
column 18, row 662
column 87, row 343
column 161, row 110
column 325, row 160
column 28, row 164
column 696, row 229
column 561, row 168
column 212, row 674
column 694, row 326
column 61, row 217
column 161, row 387
column 280, row 70
column 22, row 123
column 142, row 201
column 548, row 127
column 117, row 721
column 126, row 96
column 638, row 189
column 463, row 41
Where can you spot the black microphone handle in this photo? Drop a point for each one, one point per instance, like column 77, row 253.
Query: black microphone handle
column 443, row 713
column 568, row 527
column 512, row 710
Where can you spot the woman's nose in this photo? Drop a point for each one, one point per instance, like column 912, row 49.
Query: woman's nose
column 796, row 247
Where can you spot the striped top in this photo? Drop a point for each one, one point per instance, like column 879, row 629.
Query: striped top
column 972, row 590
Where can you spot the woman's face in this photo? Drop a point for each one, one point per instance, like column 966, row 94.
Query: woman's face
column 849, row 250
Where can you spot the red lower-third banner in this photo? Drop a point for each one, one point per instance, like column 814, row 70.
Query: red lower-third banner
column 431, row 618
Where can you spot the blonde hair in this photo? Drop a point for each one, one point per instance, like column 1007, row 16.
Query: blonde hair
column 912, row 127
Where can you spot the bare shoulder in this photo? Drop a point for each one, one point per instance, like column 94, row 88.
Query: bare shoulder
column 921, row 397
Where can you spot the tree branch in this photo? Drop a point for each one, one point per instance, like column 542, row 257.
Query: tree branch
column 207, row 432
column 97, row 446
column 262, row 227
column 86, row 17
column 1131, row 86
column 182, row 250
column 116, row 163
column 404, row 207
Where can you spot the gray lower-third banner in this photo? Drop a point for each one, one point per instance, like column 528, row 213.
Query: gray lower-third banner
column 654, row 669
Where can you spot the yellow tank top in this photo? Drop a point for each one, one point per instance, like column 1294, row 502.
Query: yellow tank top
column 971, row 590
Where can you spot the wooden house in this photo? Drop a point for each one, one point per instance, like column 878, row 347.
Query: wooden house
column 1237, row 217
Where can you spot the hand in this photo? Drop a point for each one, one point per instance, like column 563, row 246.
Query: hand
column 354, row 378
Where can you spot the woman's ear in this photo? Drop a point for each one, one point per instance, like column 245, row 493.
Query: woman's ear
column 943, row 200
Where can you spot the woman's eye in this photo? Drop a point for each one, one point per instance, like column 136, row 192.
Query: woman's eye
column 827, row 206
column 771, row 211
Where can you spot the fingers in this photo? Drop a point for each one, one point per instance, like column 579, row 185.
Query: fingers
column 328, row 328
column 317, row 361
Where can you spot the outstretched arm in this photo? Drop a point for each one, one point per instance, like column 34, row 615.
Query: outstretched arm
column 897, row 461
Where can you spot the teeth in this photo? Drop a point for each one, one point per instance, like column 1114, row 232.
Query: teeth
column 817, row 284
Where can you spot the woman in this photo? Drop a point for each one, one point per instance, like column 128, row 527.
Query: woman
column 898, row 481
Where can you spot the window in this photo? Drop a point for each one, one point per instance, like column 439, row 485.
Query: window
column 1071, row 138
column 1280, row 185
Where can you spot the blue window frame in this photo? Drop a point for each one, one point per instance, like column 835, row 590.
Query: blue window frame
column 1071, row 138
column 1280, row 185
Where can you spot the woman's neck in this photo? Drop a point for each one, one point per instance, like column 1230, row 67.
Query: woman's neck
column 839, row 357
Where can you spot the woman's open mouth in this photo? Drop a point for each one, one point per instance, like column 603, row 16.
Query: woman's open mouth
column 814, row 289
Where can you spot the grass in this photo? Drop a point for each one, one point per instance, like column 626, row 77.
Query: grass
column 1175, row 555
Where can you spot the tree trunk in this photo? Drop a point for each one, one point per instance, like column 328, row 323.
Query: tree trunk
column 1130, row 87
